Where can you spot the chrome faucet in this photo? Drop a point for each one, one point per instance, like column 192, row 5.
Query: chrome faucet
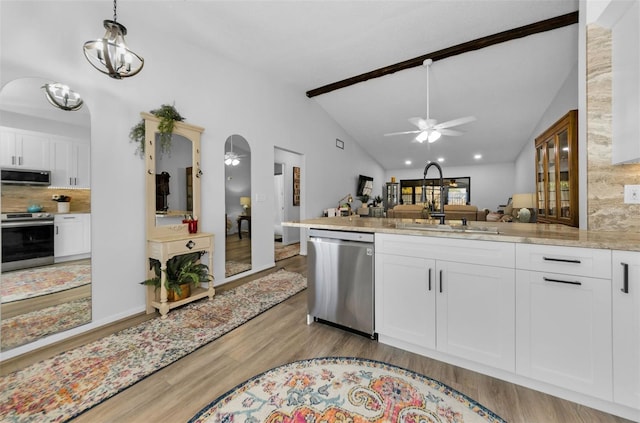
column 424, row 190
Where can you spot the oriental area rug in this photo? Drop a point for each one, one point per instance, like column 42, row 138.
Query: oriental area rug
column 286, row 251
column 29, row 283
column 27, row 327
column 339, row 389
column 234, row 267
column 60, row 388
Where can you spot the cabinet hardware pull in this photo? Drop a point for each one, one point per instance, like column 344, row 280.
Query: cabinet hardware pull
column 625, row 287
column 561, row 260
column 546, row 279
column 429, row 279
column 70, row 180
column 441, row 281
column 190, row 244
column 56, row 230
column 13, row 160
column 20, row 160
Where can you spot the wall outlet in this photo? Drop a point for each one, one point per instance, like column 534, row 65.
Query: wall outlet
column 632, row 194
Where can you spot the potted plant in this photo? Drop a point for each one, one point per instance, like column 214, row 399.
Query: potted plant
column 377, row 201
column 182, row 271
column 168, row 116
column 365, row 200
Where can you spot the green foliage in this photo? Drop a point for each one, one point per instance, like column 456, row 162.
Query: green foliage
column 168, row 117
column 181, row 269
column 364, row 198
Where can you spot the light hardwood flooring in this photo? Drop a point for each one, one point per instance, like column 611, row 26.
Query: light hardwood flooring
column 279, row 336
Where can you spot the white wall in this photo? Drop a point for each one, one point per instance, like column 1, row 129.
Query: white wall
column 289, row 160
column 491, row 185
column 566, row 99
column 211, row 92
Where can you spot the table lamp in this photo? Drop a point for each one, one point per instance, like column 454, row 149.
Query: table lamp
column 524, row 202
column 245, row 202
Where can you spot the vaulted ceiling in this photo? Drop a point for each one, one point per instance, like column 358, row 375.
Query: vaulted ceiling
column 308, row 44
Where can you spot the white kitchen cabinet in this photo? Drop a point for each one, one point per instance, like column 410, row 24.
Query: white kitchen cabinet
column 626, row 328
column 72, row 236
column 563, row 320
column 431, row 294
column 70, row 163
column 24, row 150
column 405, row 299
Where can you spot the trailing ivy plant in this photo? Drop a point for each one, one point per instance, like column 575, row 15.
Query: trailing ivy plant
column 168, row 117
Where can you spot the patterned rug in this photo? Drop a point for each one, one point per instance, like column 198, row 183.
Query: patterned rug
column 64, row 386
column 285, row 251
column 233, row 268
column 27, row 327
column 346, row 390
column 29, row 283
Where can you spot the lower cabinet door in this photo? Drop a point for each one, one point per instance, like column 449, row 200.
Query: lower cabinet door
column 626, row 328
column 563, row 328
column 405, row 299
column 476, row 313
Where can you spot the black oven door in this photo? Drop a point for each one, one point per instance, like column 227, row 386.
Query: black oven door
column 26, row 244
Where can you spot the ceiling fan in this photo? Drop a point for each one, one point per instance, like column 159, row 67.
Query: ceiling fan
column 231, row 158
column 429, row 129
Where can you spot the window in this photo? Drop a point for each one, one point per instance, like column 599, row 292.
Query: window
column 456, row 190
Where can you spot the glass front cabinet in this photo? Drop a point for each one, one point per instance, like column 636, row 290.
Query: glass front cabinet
column 557, row 172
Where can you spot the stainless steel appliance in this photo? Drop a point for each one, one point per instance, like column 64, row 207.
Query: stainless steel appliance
column 340, row 279
column 25, row 177
column 27, row 240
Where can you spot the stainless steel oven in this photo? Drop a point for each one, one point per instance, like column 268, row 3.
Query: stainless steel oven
column 27, row 240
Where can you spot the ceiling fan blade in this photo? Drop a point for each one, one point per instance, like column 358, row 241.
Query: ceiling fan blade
column 455, row 122
column 401, row 133
column 451, row 132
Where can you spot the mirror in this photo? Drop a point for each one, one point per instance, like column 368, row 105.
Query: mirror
column 172, row 178
column 51, row 293
column 174, row 181
column 237, row 172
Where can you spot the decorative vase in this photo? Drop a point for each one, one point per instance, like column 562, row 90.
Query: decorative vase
column 185, row 289
column 64, row 206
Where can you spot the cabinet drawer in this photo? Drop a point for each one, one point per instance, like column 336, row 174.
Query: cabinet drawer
column 181, row 247
column 565, row 260
column 489, row 253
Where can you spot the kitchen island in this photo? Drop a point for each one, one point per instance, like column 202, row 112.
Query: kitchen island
column 546, row 306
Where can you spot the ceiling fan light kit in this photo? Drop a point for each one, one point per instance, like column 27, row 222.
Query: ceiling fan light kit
column 429, row 129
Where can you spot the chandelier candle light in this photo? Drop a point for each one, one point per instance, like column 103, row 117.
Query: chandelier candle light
column 110, row 54
column 62, row 97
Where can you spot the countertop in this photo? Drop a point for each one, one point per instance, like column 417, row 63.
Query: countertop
column 528, row 233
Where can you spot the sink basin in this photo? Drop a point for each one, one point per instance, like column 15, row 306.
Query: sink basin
column 446, row 228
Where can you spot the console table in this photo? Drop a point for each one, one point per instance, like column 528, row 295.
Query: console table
column 240, row 219
column 164, row 247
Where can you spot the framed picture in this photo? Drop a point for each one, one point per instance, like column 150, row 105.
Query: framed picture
column 296, row 186
column 365, row 186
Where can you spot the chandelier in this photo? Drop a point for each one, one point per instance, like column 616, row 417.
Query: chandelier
column 110, row 54
column 62, row 97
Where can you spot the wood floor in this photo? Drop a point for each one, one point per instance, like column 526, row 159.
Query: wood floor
column 279, row 336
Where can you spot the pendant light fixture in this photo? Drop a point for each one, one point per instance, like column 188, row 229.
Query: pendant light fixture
column 110, row 54
column 62, row 97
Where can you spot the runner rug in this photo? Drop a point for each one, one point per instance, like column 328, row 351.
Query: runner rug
column 234, row 267
column 346, row 390
column 285, row 251
column 27, row 327
column 59, row 388
column 29, row 283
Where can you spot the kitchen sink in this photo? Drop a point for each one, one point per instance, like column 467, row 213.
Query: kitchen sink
column 447, row 228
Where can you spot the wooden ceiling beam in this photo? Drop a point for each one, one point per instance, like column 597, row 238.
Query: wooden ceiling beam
column 501, row 37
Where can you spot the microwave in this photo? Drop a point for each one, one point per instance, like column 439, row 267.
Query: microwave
column 25, row 177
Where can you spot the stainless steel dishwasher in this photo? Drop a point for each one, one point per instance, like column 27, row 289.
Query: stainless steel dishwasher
column 340, row 278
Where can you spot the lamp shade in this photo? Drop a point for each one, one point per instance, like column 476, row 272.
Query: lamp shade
column 245, row 202
column 526, row 201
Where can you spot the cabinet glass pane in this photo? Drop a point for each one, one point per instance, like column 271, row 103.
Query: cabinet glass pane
column 551, row 178
column 563, row 166
column 542, row 208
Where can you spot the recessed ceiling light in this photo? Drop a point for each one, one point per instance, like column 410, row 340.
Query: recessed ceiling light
column 407, row 162
column 441, row 159
column 477, row 156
